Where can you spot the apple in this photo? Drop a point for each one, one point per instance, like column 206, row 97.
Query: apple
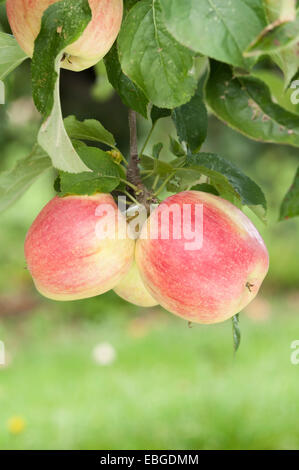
column 65, row 255
column 132, row 289
column 208, row 282
column 25, row 17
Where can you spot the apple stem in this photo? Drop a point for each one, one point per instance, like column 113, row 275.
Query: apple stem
column 155, row 182
column 162, row 187
column 131, row 197
column 148, row 138
column 132, row 186
column 249, row 286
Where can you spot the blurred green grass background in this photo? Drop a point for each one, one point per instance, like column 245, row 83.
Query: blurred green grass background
column 164, row 385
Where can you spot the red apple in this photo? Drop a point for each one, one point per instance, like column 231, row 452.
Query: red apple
column 65, row 255
column 25, row 20
column 132, row 289
column 208, row 283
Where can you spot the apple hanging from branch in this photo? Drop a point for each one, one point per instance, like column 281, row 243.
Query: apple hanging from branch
column 25, row 20
column 132, row 289
column 65, row 255
column 213, row 282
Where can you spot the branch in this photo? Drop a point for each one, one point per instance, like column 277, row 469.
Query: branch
column 143, row 195
column 133, row 173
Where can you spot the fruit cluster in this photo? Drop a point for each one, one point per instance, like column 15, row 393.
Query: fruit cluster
column 208, row 283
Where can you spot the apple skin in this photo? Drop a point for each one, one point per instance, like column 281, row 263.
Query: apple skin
column 210, row 284
column 132, row 289
column 25, row 16
column 66, row 257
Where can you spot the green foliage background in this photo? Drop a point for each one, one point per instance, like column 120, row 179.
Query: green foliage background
column 170, row 386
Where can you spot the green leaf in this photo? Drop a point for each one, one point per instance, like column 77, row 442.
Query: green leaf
column 216, row 28
column 282, row 9
column 179, row 162
column 62, row 24
column 245, row 104
column 153, row 59
column 191, row 119
column 104, row 178
column 129, row 93
column 288, row 61
column 290, row 204
column 157, row 149
column 90, row 129
column 273, row 40
column 11, row 55
column 159, row 113
column 98, row 161
column 157, row 166
column 15, row 182
column 227, row 176
column 279, row 12
column 182, row 181
column 236, row 332
column 176, row 148
column 275, row 82
column 227, row 179
column 53, row 138
column 128, row 4
column 205, row 188
column 86, row 183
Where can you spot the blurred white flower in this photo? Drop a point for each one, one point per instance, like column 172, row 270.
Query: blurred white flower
column 104, row 354
column 5, row 359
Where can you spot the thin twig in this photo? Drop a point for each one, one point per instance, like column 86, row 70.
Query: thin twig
column 155, row 183
column 133, row 174
column 164, row 185
column 131, row 197
column 142, row 194
column 132, row 186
